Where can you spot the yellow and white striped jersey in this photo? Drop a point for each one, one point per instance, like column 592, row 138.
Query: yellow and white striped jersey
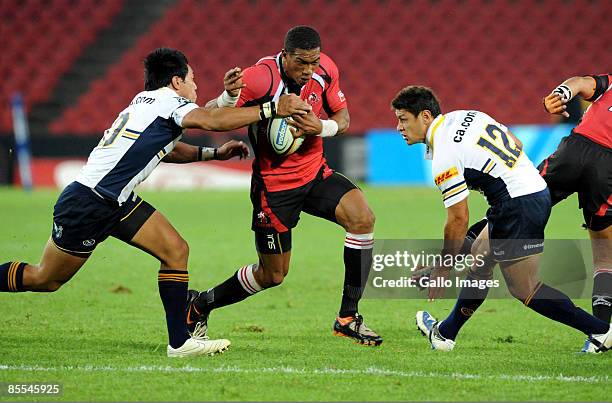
column 470, row 150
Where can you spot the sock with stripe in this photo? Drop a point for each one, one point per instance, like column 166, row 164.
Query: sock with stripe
column 602, row 294
column 236, row 288
column 11, row 276
column 173, row 285
column 469, row 300
column 555, row 305
column 357, row 263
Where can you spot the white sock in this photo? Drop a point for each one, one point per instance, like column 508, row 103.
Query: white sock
column 247, row 279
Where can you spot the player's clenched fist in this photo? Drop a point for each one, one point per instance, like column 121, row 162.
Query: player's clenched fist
column 291, row 104
column 309, row 125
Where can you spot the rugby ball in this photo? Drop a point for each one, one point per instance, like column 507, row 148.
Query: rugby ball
column 280, row 137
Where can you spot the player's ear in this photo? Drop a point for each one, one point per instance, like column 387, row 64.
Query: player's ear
column 176, row 82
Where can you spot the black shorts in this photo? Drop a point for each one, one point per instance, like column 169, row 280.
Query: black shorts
column 82, row 219
column 516, row 226
column 583, row 166
column 278, row 212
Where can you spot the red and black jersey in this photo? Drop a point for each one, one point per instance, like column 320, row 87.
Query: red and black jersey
column 596, row 124
column 266, row 81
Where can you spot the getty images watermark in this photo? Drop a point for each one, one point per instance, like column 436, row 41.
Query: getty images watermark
column 410, row 262
column 402, row 268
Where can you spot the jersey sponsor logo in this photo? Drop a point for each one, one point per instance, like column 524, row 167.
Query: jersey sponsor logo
column 142, row 100
column 341, row 96
column 467, row 121
column 446, row 175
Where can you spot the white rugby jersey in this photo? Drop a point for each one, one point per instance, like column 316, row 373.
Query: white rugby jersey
column 133, row 146
column 470, row 150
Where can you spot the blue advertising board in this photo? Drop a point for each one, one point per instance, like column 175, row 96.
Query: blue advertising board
column 390, row 161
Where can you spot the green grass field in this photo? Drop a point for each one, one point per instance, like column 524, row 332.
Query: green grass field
column 101, row 344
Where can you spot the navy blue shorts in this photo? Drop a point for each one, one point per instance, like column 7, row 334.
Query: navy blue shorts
column 82, row 219
column 516, row 226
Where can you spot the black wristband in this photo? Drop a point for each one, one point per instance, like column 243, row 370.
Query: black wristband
column 215, row 153
column 273, row 108
column 200, row 148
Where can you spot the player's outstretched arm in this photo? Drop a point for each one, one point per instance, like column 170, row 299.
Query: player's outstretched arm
column 224, row 119
column 184, row 153
column 554, row 103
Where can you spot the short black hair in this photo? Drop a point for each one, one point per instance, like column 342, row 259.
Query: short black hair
column 161, row 65
column 302, row 37
column 415, row 99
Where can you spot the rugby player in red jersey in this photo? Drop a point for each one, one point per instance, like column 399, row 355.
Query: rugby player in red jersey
column 284, row 186
column 583, row 163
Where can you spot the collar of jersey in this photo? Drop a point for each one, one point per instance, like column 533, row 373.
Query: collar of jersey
column 168, row 89
column 430, row 135
column 287, row 82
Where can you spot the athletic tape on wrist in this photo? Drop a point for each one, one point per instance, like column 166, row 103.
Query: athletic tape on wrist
column 207, row 153
column 564, row 91
column 267, row 110
column 225, row 99
column 330, row 128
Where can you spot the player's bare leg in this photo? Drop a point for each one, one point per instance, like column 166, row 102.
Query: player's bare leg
column 56, row 267
column 160, row 239
column 248, row 280
column 272, row 269
column 601, row 244
column 523, row 283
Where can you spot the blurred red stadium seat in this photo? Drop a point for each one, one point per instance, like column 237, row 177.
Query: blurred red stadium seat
column 41, row 41
column 497, row 56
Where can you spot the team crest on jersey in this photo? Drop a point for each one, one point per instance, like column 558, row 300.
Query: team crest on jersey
column 446, row 175
column 313, row 98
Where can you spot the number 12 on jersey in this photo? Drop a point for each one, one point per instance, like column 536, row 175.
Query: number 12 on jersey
column 499, row 143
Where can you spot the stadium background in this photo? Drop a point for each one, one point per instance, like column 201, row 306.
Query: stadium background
column 79, row 62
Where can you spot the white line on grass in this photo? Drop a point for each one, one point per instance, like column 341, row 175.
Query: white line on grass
column 303, row 371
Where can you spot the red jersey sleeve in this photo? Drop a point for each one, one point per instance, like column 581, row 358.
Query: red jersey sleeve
column 602, row 84
column 258, row 80
column 334, row 97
